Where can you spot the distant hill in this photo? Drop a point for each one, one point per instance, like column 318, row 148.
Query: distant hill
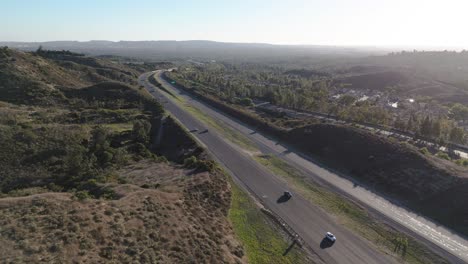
column 439, row 75
column 200, row 49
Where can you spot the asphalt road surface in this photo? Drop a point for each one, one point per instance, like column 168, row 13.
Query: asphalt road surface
column 305, row 218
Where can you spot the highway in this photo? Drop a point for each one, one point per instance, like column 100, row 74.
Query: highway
column 308, row 220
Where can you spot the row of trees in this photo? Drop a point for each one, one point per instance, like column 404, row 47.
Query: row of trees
column 280, row 88
column 237, row 84
column 441, row 129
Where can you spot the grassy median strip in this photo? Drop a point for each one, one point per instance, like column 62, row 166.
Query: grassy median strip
column 262, row 242
column 352, row 216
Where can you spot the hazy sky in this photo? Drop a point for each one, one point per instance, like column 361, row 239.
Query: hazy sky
column 332, row 22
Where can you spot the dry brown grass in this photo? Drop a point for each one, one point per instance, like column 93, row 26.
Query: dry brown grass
column 176, row 217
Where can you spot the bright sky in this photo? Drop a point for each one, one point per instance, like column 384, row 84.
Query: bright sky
column 329, row 22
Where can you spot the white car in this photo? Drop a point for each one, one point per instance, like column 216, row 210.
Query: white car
column 330, row 237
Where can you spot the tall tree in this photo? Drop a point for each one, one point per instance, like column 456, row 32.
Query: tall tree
column 426, row 127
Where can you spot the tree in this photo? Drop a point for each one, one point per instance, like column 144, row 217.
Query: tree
column 436, row 129
column 400, row 124
column 141, row 131
column 459, row 112
column 346, row 100
column 457, row 135
column 39, row 50
column 246, row 101
column 98, row 138
column 426, row 127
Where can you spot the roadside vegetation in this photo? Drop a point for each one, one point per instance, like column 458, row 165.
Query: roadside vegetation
column 353, row 216
column 261, row 238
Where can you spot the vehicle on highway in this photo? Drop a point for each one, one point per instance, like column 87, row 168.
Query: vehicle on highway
column 194, row 130
column 330, row 237
column 204, row 131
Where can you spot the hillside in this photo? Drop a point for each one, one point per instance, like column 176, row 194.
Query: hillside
column 80, row 180
column 159, row 215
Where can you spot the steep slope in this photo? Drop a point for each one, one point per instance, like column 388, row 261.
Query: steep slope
column 398, row 170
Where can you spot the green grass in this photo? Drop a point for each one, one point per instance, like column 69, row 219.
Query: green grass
column 119, row 127
column 352, row 216
column 262, row 242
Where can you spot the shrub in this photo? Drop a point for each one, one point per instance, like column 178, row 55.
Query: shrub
column 161, row 159
column 82, row 195
column 462, row 162
column 141, row 131
column 443, row 155
column 424, row 151
column 190, row 162
column 206, row 165
column 106, row 156
column 108, row 194
column 245, row 101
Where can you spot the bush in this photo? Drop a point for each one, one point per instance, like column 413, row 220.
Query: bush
column 190, row 162
column 160, row 159
column 108, row 194
column 141, row 131
column 443, row 155
column 245, row 101
column 106, row 156
column 424, row 151
column 82, row 195
column 206, row 165
column 462, row 162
